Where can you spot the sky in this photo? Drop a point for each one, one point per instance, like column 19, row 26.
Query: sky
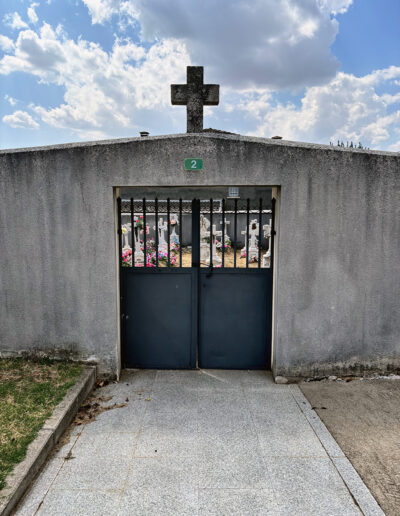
column 307, row 70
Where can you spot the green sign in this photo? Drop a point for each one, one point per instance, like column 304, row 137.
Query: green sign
column 193, row 164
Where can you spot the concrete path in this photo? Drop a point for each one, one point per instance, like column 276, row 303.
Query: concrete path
column 196, row 443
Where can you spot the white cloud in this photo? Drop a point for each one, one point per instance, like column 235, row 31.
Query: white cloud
column 243, row 43
column 104, row 92
column 348, row 108
column 20, row 119
column 335, row 6
column 102, row 10
column 14, row 21
column 6, row 43
column 39, row 54
column 119, row 92
column 10, row 100
column 395, row 147
column 33, row 17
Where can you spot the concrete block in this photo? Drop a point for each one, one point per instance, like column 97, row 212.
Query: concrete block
column 163, row 473
column 309, row 486
column 175, row 442
column 93, row 472
column 236, row 502
column 358, row 489
column 67, row 502
column 232, row 471
column 168, row 502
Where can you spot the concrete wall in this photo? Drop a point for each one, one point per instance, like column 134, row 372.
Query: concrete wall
column 336, row 299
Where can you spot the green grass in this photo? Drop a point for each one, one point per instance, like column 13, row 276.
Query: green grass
column 29, row 391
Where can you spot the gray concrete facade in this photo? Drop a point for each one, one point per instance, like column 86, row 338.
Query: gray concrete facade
column 337, row 264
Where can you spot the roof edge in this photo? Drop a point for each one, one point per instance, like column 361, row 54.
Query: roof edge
column 208, row 134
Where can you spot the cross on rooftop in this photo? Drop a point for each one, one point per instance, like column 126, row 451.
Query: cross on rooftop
column 194, row 95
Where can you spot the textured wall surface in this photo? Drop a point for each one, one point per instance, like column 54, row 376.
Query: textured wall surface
column 337, row 278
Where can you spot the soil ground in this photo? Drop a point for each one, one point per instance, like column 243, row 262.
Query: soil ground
column 364, row 418
column 228, row 259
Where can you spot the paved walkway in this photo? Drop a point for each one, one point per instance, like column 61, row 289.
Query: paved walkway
column 196, row 443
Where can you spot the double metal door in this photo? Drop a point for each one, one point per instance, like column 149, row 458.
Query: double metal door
column 196, row 282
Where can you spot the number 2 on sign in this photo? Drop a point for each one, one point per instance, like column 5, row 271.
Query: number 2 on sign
column 193, row 164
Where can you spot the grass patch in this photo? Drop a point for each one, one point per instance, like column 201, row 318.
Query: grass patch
column 29, row 391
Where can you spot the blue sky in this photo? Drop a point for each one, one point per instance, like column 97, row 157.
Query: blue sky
column 308, row 70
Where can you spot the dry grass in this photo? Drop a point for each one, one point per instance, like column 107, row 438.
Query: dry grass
column 228, row 259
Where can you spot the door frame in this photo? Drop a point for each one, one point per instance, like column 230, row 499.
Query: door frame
column 276, row 198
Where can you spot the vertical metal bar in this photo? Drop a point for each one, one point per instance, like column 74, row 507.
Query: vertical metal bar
column 247, row 233
column 168, row 233
column 195, row 233
column 132, row 233
column 119, row 203
column 121, row 282
column 272, row 233
column 235, row 235
column 195, row 273
column 180, row 233
column 223, row 233
column 211, row 235
column 259, row 232
column 156, row 226
column 144, row 233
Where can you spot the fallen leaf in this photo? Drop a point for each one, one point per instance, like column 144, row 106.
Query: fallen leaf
column 69, row 456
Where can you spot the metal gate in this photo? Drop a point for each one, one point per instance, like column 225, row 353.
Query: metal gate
column 196, row 282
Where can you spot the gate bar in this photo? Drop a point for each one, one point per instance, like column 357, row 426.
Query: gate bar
column 119, row 231
column 121, row 295
column 132, row 233
column 223, row 233
column 259, row 233
column 180, row 233
column 168, row 234
column 195, row 233
column 272, row 233
column 156, row 227
column 144, row 233
column 235, row 235
column 211, row 236
column 247, row 233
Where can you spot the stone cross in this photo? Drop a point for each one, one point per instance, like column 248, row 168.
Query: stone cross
column 266, row 263
column 139, row 255
column 253, row 240
column 215, row 234
column 162, row 228
column 204, row 234
column 253, row 233
column 173, row 237
column 225, row 223
column 126, row 228
column 194, row 95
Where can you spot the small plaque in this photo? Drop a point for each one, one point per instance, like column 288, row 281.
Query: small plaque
column 193, row 164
